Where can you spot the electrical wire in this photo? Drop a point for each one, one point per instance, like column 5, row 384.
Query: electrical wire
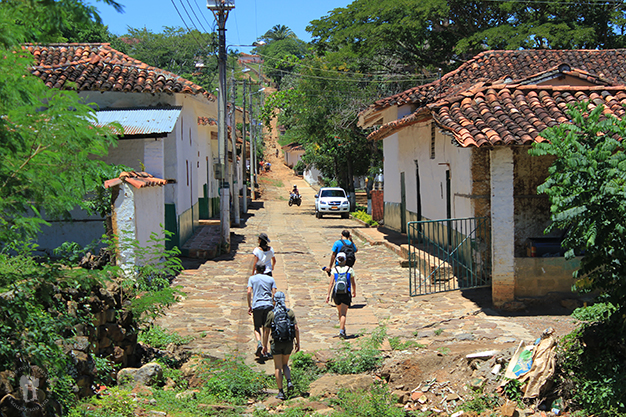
column 195, row 15
column 185, row 23
column 203, row 16
column 337, row 72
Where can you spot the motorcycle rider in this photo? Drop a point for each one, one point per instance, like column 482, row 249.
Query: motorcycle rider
column 295, row 191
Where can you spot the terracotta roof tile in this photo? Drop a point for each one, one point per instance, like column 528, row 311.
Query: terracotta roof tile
column 516, row 114
column 598, row 66
column 98, row 67
column 136, row 179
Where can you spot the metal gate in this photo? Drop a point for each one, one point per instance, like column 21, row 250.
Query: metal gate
column 449, row 254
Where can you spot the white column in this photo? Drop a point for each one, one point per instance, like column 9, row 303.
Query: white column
column 502, row 226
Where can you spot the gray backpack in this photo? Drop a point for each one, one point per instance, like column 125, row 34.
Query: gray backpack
column 342, row 281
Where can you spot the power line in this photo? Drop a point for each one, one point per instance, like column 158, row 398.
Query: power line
column 429, row 79
column 196, row 16
column 185, row 23
column 203, row 15
column 188, row 15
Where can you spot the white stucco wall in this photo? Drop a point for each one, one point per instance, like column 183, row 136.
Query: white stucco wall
column 124, row 226
column 414, row 143
column 312, row 176
column 149, row 213
column 502, row 225
column 292, row 157
column 137, row 212
column 191, row 148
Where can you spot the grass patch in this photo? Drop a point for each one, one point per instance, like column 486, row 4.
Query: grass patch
column 231, row 380
column 397, row 344
column 159, row 337
column 272, row 182
column 443, row 350
column 363, row 357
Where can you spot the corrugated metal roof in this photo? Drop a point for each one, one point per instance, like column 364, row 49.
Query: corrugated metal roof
column 146, row 121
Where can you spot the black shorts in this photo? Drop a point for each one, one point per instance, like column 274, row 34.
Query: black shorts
column 281, row 348
column 259, row 315
column 343, row 299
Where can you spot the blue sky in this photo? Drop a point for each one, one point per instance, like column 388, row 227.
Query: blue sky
column 249, row 20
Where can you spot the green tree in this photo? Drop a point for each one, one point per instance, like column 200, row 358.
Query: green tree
column 281, row 57
column 190, row 54
column 587, row 191
column 409, row 36
column 320, row 111
column 279, row 33
column 47, row 140
column 52, row 20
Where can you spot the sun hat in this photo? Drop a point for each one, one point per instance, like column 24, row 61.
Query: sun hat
column 263, row 236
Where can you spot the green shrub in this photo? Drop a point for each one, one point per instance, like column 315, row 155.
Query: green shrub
column 595, row 312
column 479, row 402
column 232, row 380
column 364, row 358
column 117, row 403
column 364, row 217
column 378, row 402
column 299, row 168
column 304, row 370
column 158, row 337
column 592, row 363
column 397, row 344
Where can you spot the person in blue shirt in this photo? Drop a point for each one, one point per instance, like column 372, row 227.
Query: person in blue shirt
column 345, row 245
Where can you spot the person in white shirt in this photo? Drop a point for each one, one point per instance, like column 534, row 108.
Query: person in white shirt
column 343, row 299
column 264, row 253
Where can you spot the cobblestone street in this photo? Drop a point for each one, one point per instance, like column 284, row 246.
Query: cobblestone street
column 216, row 291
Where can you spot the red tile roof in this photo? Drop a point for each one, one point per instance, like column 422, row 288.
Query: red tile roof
column 503, row 97
column 494, row 66
column 516, row 115
column 136, row 179
column 98, row 67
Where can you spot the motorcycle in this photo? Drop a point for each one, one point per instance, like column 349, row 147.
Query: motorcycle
column 295, row 199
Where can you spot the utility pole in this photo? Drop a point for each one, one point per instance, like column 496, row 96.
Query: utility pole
column 243, row 153
column 234, row 173
column 220, row 9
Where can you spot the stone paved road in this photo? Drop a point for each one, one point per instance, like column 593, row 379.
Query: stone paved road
column 216, row 291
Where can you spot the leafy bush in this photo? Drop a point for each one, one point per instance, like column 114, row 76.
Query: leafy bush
column 70, row 253
column 378, row 402
column 158, row 337
column 304, row 370
column 148, row 289
column 592, row 364
column 116, row 403
column 364, row 217
column 365, row 358
column 397, row 344
column 595, row 312
column 299, row 168
column 232, row 380
column 35, row 317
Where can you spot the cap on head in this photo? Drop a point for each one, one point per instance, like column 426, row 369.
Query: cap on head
column 341, row 256
column 345, row 233
column 263, row 236
column 279, row 295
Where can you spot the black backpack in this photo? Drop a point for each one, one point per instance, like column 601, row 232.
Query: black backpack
column 283, row 329
column 348, row 249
